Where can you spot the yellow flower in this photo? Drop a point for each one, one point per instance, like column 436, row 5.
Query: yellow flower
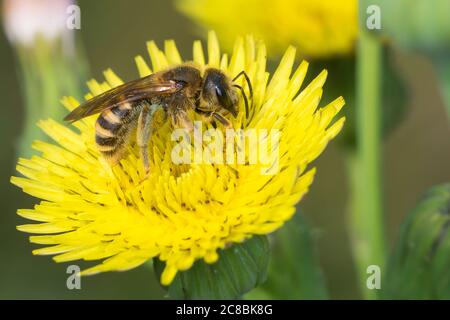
column 183, row 212
column 316, row 28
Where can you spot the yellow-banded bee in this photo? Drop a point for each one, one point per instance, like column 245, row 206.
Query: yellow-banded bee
column 176, row 90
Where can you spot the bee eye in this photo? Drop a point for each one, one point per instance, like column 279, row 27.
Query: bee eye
column 225, row 100
column 223, row 97
column 218, row 92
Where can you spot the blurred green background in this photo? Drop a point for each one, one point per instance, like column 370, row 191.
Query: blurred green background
column 416, row 157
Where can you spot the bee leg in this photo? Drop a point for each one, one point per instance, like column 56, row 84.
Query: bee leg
column 222, row 120
column 206, row 115
column 209, row 115
column 144, row 132
column 181, row 120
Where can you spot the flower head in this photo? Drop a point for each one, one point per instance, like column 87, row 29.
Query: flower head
column 181, row 212
column 317, row 28
column 25, row 20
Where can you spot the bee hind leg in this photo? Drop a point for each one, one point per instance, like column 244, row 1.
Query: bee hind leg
column 144, row 132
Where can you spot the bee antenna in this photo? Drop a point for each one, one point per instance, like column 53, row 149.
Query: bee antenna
column 250, row 89
column 247, row 79
column 245, row 99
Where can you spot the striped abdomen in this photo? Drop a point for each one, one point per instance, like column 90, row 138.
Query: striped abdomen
column 113, row 128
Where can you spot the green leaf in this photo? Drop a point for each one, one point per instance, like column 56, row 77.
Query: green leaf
column 239, row 269
column 419, row 267
column 294, row 271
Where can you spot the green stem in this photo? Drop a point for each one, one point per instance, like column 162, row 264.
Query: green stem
column 47, row 73
column 366, row 218
column 442, row 67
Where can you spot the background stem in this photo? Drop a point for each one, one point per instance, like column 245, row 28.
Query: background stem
column 366, row 219
column 441, row 64
column 47, row 73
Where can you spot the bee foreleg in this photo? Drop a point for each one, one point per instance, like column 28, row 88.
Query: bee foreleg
column 209, row 116
column 144, row 132
column 222, row 120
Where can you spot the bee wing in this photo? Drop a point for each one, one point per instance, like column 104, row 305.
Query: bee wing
column 128, row 92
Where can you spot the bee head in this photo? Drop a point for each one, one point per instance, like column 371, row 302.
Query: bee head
column 218, row 91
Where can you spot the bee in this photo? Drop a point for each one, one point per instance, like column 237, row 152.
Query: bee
column 131, row 106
